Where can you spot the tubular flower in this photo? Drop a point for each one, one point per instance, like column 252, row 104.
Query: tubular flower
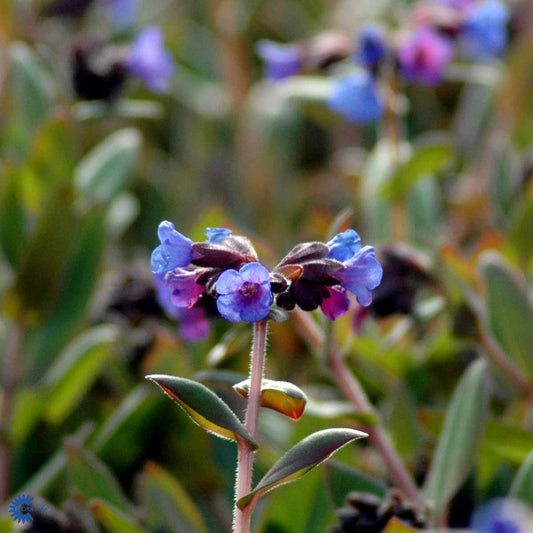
column 174, row 251
column 485, row 32
column 184, row 291
column 356, row 97
column 372, row 46
column 281, row 60
column 244, row 294
column 149, row 60
column 424, row 56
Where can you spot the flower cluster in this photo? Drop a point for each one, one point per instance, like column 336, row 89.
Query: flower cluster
column 440, row 29
column 222, row 276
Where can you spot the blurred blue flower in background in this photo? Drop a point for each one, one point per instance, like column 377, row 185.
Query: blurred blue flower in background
column 123, row 12
column 281, row 60
column 485, row 30
column 217, row 235
column 244, row 295
column 150, row 61
column 174, row 251
column 424, row 56
column 356, row 97
column 503, row 516
column 371, row 46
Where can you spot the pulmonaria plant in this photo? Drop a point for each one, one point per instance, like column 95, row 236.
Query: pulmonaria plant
column 417, row 52
column 222, row 277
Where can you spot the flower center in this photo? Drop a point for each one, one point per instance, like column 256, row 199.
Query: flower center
column 249, row 289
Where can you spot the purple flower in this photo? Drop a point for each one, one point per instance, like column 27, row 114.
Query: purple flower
column 194, row 324
column 163, row 296
column 123, row 12
column 361, row 274
column 281, row 60
column 344, row 245
column 484, row 32
column 502, row 516
column 336, row 303
column 371, row 46
column 424, row 56
column 244, row 295
column 184, row 291
column 149, row 60
column 174, row 251
column 356, row 97
column 217, row 235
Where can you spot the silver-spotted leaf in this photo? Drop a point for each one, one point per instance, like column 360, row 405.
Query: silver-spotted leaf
column 204, row 407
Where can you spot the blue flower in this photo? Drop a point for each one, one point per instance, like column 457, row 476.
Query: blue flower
column 244, row 295
column 216, row 235
column 123, row 12
column 356, row 98
column 502, row 516
column 174, row 251
column 149, row 60
column 371, row 46
column 361, row 274
column 424, row 56
column 485, row 33
column 281, row 60
column 344, row 245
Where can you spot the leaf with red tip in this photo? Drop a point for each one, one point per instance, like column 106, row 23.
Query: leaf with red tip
column 281, row 396
column 204, row 407
column 300, row 459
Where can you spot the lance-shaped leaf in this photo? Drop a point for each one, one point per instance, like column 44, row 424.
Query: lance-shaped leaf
column 281, row 396
column 302, row 458
column 204, row 407
column 112, row 518
column 522, row 487
column 459, row 439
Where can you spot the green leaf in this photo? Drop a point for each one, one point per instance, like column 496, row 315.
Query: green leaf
column 204, row 407
column 281, row 396
column 123, row 109
column 509, row 310
column 520, row 225
column 12, row 217
column 44, row 260
column 75, row 370
column 459, row 439
column 91, row 477
column 27, row 407
column 112, row 519
column 427, row 158
column 108, row 168
column 32, row 93
column 307, row 88
column 522, row 487
column 166, row 504
column 76, row 290
column 302, row 458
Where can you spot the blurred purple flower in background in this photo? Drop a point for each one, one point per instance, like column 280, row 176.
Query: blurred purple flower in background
column 371, row 46
column 244, row 295
column 194, row 325
column 122, row 12
column 174, row 251
column 424, row 56
column 503, row 516
column 281, row 60
column 485, row 30
column 356, row 97
column 150, row 61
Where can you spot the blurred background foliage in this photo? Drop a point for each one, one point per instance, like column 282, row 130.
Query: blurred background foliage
column 85, row 184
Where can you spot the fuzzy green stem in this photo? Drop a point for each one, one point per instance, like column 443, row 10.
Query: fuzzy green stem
column 245, row 455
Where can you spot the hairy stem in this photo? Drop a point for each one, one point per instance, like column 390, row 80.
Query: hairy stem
column 11, row 370
column 354, row 393
column 245, row 455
